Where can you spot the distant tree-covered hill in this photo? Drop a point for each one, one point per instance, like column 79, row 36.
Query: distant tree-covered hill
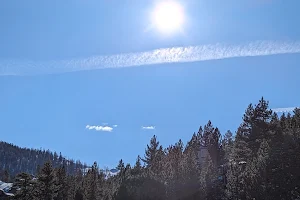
column 14, row 160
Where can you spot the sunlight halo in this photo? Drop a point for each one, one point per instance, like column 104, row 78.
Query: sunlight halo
column 168, row 16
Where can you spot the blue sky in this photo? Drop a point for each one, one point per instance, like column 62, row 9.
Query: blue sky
column 52, row 111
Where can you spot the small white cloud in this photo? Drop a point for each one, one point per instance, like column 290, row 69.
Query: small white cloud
column 115, row 125
column 283, row 110
column 148, row 127
column 99, row 128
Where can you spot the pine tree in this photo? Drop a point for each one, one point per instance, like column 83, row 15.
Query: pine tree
column 283, row 167
column 227, row 146
column 121, row 168
column 208, row 180
column 138, row 164
column 55, row 159
column 207, row 133
column 38, row 170
column 62, row 185
column 141, row 187
column 72, row 187
column 240, row 153
column 260, row 128
column 25, row 184
column 6, row 176
column 151, row 152
column 90, row 183
column 75, row 183
column 255, row 126
column 137, row 169
column 241, row 150
column 172, row 170
column 214, row 146
column 78, row 195
column 46, row 188
column 256, row 180
column 157, row 166
column 190, row 173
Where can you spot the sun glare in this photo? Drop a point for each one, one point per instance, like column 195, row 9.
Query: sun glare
column 168, row 16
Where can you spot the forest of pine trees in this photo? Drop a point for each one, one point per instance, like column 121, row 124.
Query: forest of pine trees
column 260, row 161
column 14, row 160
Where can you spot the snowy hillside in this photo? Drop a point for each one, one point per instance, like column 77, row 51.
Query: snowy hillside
column 5, row 188
column 107, row 172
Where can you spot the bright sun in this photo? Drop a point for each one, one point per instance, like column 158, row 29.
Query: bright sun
column 168, row 16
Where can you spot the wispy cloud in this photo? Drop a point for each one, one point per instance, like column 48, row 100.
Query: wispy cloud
column 148, row 127
column 115, row 126
column 99, row 128
column 157, row 56
column 283, row 110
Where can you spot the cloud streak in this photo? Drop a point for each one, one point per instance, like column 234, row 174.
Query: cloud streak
column 99, row 128
column 157, row 56
column 148, row 127
column 283, row 110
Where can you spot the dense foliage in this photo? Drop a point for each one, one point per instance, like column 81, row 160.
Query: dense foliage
column 14, row 160
column 262, row 161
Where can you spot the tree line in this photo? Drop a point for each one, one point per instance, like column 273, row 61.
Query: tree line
column 261, row 161
column 14, row 160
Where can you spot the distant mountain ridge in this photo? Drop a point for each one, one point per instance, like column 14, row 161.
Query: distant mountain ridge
column 14, row 160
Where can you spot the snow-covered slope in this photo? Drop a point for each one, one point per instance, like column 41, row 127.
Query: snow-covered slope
column 107, row 172
column 6, row 187
column 110, row 173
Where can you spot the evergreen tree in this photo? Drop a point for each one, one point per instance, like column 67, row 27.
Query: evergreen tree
column 78, row 195
column 137, row 168
column 260, row 128
column 283, row 168
column 38, row 170
column 6, row 176
column 214, row 146
column 151, row 152
column 227, row 147
column 138, row 165
column 91, row 183
column 141, row 187
column 207, row 133
column 190, row 173
column 46, row 188
column 72, row 187
column 157, row 166
column 122, row 171
column 256, row 180
column 241, row 150
column 62, row 185
column 208, row 180
column 25, row 184
column 121, row 166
